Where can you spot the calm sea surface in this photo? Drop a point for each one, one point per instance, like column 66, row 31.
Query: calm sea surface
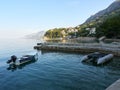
column 53, row 70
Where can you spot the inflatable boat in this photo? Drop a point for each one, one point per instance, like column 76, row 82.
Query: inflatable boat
column 97, row 58
column 15, row 62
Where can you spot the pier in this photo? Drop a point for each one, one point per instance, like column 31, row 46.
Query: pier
column 80, row 47
column 114, row 86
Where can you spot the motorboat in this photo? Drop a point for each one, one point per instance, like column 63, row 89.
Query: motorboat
column 15, row 62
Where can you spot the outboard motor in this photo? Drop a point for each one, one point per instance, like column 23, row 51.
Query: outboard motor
column 13, row 59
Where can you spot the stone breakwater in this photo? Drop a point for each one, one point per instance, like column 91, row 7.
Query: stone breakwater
column 80, row 47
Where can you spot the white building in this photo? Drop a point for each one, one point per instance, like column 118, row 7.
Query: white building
column 91, row 30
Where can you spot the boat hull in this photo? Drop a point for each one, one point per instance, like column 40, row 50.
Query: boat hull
column 24, row 60
column 97, row 58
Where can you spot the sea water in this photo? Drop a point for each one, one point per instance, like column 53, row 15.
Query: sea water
column 53, row 70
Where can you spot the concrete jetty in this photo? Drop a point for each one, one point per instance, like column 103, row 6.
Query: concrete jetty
column 114, row 86
column 80, row 47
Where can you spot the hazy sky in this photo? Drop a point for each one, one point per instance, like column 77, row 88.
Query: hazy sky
column 21, row 17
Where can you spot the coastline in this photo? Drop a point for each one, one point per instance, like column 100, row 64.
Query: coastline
column 80, row 47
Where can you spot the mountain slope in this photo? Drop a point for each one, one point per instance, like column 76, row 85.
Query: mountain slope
column 114, row 7
column 38, row 35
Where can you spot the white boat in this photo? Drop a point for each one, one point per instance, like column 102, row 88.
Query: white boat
column 97, row 58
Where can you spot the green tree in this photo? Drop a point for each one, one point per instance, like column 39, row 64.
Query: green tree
column 54, row 33
column 109, row 28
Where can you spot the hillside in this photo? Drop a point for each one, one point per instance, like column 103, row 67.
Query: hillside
column 109, row 28
column 38, row 35
column 108, row 16
column 114, row 8
column 92, row 26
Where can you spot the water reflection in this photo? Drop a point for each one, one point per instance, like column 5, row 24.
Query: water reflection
column 54, row 51
column 96, row 65
column 13, row 67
